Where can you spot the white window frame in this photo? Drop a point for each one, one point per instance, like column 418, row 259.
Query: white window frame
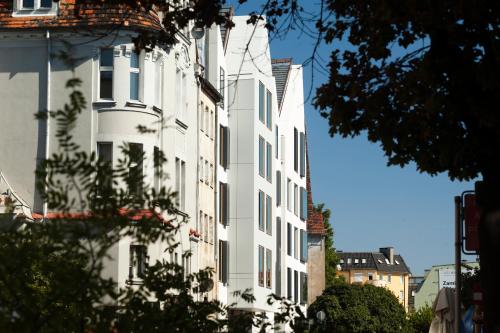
column 105, row 69
column 37, row 10
column 136, row 70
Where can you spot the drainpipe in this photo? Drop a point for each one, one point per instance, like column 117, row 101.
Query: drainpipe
column 48, row 106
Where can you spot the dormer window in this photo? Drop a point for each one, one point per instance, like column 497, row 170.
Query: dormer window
column 34, row 7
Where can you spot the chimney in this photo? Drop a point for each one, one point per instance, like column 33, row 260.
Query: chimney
column 388, row 253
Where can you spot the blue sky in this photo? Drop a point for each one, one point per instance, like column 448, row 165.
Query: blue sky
column 372, row 205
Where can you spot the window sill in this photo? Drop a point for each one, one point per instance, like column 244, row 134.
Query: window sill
column 136, row 104
column 157, row 109
column 181, row 123
column 134, row 282
column 104, row 103
column 35, row 12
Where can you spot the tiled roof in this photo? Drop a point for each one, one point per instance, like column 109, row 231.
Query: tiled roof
column 374, row 260
column 281, row 71
column 81, row 14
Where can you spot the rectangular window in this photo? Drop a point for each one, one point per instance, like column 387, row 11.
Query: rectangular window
column 303, row 245
column 223, row 204
column 202, row 117
column 278, row 188
column 158, row 82
column 303, row 288
column 401, row 295
column 262, row 97
column 269, row 263
column 211, row 180
column 302, row 155
column 222, row 85
column 207, row 121
column 211, row 230
column 278, row 257
column 289, row 239
column 46, row 4
column 223, row 261
column 358, row 277
column 303, row 204
column 295, row 150
column 28, row 4
column 180, row 183
column 105, row 156
column 135, row 170
column 289, row 283
column 269, row 159
column 157, row 163
column 106, row 73
column 296, row 286
column 261, row 266
column 276, row 141
column 289, row 194
column 201, row 169
column 269, row 110
column 200, row 226
column 138, row 262
column 207, row 172
column 134, row 76
column 370, row 276
column 261, row 210
column 206, row 229
column 224, row 146
column 296, row 199
column 262, row 157
column 269, row 207
column 296, row 243
column 389, row 278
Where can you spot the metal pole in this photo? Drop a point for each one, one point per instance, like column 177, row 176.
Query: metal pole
column 458, row 261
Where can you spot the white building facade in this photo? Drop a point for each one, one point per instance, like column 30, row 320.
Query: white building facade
column 229, row 120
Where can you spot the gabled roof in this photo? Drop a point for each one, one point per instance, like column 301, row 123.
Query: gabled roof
column 81, row 14
column 281, row 73
column 374, row 261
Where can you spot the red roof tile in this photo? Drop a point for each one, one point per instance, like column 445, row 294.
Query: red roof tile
column 82, row 14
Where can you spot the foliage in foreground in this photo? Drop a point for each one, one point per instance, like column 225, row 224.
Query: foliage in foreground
column 358, row 308
column 419, row 321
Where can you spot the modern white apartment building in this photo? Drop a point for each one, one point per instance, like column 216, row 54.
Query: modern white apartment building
column 268, row 206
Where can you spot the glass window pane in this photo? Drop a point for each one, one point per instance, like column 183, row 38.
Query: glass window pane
column 261, row 156
column 134, row 86
column 269, row 110
column 261, row 102
column 106, row 57
column 28, row 4
column 106, row 85
column 45, row 3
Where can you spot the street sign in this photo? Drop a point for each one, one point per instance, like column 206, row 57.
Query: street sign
column 471, row 218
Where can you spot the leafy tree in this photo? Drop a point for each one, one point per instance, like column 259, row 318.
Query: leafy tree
column 420, row 321
column 356, row 308
column 331, row 258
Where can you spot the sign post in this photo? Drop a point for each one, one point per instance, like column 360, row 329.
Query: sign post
column 458, row 261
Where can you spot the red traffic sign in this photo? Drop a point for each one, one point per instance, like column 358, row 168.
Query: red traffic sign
column 471, row 218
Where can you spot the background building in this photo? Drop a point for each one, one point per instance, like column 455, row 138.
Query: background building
column 382, row 269
column 437, row 277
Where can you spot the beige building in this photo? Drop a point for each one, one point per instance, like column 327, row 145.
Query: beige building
column 382, row 269
column 206, row 228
